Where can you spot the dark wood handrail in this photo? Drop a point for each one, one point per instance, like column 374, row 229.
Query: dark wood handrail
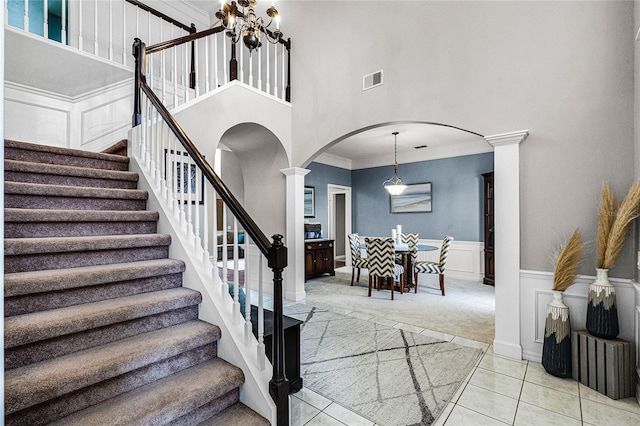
column 195, row 36
column 189, row 28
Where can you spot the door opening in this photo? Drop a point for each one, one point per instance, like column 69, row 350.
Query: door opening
column 339, row 220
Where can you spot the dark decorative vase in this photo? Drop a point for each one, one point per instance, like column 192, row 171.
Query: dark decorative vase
column 556, row 349
column 602, row 313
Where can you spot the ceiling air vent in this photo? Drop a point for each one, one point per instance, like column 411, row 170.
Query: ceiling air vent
column 370, row 81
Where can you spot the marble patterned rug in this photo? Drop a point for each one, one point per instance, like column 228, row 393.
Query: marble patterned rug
column 387, row 375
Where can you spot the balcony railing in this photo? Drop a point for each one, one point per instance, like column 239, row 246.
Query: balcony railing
column 180, row 73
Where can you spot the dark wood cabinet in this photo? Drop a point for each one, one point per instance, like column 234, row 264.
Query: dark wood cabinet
column 318, row 258
column 489, row 258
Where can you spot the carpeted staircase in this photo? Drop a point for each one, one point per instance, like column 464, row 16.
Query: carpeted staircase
column 98, row 328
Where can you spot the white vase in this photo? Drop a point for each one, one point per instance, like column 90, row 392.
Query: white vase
column 602, row 312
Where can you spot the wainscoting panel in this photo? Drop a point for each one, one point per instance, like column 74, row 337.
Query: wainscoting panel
column 464, row 261
column 536, row 293
column 90, row 122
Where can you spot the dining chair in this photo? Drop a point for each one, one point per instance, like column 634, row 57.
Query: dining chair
column 426, row 267
column 412, row 241
column 382, row 265
column 357, row 261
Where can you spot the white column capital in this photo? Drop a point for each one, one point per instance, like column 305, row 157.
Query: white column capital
column 295, row 171
column 507, row 138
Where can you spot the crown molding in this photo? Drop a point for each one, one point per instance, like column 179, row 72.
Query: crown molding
column 507, row 138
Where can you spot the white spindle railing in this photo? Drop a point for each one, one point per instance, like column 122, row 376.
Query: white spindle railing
column 180, row 185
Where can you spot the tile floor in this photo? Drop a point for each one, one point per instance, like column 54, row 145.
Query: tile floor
column 497, row 391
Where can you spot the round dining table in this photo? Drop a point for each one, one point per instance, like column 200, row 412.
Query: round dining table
column 403, row 250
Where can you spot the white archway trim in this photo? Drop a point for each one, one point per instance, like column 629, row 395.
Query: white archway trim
column 294, row 272
column 506, row 160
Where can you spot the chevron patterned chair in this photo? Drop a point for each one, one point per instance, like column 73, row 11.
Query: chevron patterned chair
column 412, row 241
column 425, row 267
column 382, row 266
column 357, row 261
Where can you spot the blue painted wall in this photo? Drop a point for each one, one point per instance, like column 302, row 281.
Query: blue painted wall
column 456, row 191
column 319, row 177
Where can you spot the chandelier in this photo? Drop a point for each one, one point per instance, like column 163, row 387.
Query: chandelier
column 394, row 185
column 244, row 24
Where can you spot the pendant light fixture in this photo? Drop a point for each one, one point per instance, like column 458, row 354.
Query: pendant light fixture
column 394, row 185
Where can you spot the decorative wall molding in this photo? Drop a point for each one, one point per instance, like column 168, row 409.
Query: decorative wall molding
column 91, row 122
column 465, row 259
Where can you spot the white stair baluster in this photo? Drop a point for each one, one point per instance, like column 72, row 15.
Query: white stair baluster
column 268, row 88
column 46, row 19
column 189, row 186
column 95, row 28
column 236, row 273
column 80, row 35
column 110, row 31
column 224, row 61
column 25, row 21
column 275, row 70
column 206, row 65
column 197, row 68
column 205, row 226
column 284, row 85
column 260, row 68
column 261, row 354
column 247, row 299
column 225, row 285
column 124, row 33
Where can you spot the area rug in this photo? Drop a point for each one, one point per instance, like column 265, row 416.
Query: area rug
column 387, row 375
column 467, row 310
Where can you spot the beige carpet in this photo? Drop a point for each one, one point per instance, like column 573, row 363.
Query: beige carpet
column 467, row 310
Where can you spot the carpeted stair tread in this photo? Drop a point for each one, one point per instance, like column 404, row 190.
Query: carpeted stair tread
column 26, row 246
column 118, row 148
column 34, row 327
column 27, row 167
column 36, row 383
column 21, row 283
column 164, row 400
column 46, row 215
column 35, row 189
column 23, row 151
column 40, row 223
column 236, row 415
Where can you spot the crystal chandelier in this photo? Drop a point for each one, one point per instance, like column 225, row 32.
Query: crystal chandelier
column 394, row 185
column 244, row 24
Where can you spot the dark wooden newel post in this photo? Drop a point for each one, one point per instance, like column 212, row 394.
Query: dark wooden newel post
column 279, row 385
column 138, row 51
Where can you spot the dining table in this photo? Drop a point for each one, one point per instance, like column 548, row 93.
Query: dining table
column 403, row 250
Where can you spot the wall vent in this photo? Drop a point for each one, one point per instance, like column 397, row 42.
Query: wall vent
column 372, row 80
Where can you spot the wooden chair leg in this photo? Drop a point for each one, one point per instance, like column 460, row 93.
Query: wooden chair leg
column 358, row 278
column 393, row 284
column 353, row 272
column 370, row 283
column 442, row 283
column 415, row 282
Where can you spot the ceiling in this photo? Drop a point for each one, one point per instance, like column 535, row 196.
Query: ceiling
column 375, row 146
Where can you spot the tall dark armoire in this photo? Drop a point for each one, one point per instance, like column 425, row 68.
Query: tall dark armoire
column 489, row 258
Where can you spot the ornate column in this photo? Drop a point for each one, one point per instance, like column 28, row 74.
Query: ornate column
column 294, row 272
column 506, row 158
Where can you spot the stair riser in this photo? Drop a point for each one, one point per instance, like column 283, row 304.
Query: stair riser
column 11, row 153
column 76, row 229
column 57, row 408
column 59, row 299
column 42, row 261
column 200, row 414
column 51, row 348
column 23, row 201
column 14, row 176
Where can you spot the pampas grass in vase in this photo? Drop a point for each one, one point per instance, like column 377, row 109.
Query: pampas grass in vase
column 556, row 349
column 614, row 223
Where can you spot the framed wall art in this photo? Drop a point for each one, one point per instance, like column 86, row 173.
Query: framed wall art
column 415, row 199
